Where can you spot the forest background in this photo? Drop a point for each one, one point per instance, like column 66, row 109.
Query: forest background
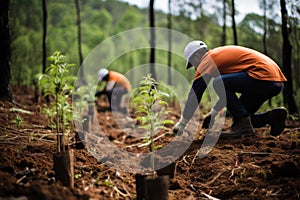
column 103, row 19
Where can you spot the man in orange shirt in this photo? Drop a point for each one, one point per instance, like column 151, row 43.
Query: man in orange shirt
column 116, row 85
column 235, row 69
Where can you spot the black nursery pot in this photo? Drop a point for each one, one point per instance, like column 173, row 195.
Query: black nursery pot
column 150, row 187
column 167, row 170
column 64, row 167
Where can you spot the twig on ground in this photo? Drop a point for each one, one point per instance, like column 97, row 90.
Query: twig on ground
column 203, row 193
column 203, row 151
column 216, row 177
column 120, row 193
column 232, row 172
column 21, row 179
column 194, row 158
column 271, row 193
column 208, row 196
column 184, row 160
column 128, row 193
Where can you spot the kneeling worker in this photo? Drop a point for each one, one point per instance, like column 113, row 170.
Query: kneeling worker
column 236, row 69
column 116, row 86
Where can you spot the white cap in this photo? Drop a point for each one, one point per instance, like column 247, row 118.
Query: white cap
column 191, row 48
column 102, row 73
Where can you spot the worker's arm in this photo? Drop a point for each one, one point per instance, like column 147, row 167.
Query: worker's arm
column 195, row 95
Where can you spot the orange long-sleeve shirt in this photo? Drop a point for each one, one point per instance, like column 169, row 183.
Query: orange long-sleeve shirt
column 117, row 79
column 231, row 59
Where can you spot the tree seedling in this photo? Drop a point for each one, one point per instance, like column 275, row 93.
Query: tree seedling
column 56, row 83
column 151, row 111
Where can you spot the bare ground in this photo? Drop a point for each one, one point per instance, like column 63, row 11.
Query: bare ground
column 263, row 167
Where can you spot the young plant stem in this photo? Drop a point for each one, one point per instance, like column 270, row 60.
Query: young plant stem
column 151, row 146
column 57, row 125
column 63, row 130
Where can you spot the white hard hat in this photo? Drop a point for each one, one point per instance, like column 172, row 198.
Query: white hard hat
column 102, row 73
column 191, row 48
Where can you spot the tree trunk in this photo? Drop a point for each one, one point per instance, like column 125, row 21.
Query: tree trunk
column 5, row 52
column 152, row 38
column 224, row 24
column 265, row 27
column 295, row 11
column 170, row 43
column 233, row 23
column 288, row 92
column 77, row 6
column 45, row 16
column 265, row 24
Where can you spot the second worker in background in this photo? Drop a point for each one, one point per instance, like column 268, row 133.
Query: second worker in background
column 116, row 86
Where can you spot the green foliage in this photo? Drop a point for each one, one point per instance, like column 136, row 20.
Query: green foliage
column 19, row 121
column 57, row 84
column 131, row 15
column 83, row 102
column 103, row 19
column 108, row 182
column 151, row 110
column 20, row 110
column 56, row 81
column 77, row 176
column 150, row 105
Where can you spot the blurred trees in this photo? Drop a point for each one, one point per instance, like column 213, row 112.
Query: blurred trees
column 200, row 19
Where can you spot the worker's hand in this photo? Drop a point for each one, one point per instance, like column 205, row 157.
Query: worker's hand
column 209, row 119
column 99, row 93
column 180, row 126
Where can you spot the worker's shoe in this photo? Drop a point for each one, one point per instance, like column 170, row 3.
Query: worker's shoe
column 240, row 128
column 276, row 119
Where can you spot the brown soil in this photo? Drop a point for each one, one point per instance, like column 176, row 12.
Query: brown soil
column 264, row 167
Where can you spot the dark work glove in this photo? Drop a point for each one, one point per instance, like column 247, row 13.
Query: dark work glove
column 206, row 121
column 209, row 119
column 99, row 93
column 180, row 126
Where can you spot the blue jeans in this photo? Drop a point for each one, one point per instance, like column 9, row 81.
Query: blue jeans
column 253, row 93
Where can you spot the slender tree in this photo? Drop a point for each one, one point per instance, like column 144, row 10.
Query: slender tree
column 295, row 13
column 170, row 42
column 223, row 42
column 45, row 16
column 233, row 22
column 265, row 7
column 265, row 27
column 152, row 38
column 77, row 6
column 288, row 92
column 5, row 52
